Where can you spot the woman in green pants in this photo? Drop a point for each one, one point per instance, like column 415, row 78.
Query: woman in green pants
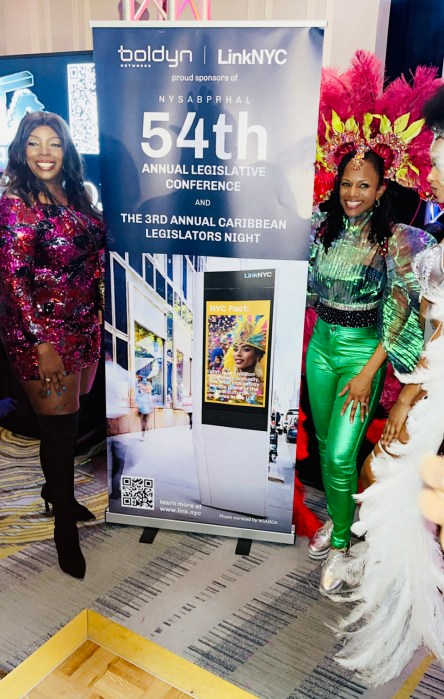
column 368, row 311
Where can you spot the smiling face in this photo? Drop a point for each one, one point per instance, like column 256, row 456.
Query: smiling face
column 44, row 155
column 436, row 175
column 359, row 189
column 245, row 357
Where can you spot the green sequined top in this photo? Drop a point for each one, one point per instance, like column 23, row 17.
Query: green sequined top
column 354, row 276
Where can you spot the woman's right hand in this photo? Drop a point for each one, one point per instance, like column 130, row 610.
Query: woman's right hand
column 51, row 367
column 395, row 422
column 410, row 394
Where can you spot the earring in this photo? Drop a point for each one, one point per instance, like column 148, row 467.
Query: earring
column 377, row 203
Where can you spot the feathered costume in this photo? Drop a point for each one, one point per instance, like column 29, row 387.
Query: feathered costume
column 399, row 569
column 397, row 575
column 367, row 295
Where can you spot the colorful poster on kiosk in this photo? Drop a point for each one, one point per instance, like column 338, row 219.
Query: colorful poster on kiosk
column 207, row 137
column 239, row 377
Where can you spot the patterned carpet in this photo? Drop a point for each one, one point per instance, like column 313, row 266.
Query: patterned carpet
column 257, row 621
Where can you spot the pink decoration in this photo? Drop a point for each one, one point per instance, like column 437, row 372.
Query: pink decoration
column 357, row 114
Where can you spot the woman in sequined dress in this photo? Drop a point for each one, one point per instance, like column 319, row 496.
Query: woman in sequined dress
column 368, row 303
column 51, row 262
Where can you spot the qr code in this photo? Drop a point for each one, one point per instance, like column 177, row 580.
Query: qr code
column 137, row 492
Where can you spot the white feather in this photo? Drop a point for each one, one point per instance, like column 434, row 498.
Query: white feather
column 397, row 574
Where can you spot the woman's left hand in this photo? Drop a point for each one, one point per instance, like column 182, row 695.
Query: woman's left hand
column 359, row 390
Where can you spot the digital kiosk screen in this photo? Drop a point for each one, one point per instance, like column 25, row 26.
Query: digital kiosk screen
column 237, row 343
column 236, row 350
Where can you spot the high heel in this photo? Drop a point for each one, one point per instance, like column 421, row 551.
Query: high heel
column 66, row 539
column 43, row 495
column 81, row 513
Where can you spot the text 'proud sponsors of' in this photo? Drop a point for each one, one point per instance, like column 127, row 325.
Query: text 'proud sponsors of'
column 147, row 57
column 230, row 138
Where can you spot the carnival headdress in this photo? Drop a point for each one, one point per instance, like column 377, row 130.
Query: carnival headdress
column 253, row 333
column 356, row 114
column 250, row 331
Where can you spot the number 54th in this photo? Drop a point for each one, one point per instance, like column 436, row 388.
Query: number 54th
column 191, row 135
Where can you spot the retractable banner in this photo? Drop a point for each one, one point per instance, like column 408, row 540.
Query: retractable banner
column 207, row 141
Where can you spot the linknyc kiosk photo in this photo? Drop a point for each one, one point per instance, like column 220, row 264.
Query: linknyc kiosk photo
column 232, row 387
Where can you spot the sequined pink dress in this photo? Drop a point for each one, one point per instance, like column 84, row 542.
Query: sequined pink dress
column 51, row 260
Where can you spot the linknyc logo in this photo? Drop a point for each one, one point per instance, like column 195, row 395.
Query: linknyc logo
column 144, row 58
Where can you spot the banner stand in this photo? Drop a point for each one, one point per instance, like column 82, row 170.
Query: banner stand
column 197, row 528
column 148, row 535
column 243, row 546
column 207, row 196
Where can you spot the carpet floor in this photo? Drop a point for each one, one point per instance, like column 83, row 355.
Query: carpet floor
column 258, row 621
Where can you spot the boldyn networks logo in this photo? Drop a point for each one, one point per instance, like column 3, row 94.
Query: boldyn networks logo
column 144, row 58
column 253, row 57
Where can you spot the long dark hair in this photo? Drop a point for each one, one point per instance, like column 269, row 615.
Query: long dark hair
column 433, row 110
column 383, row 216
column 23, row 183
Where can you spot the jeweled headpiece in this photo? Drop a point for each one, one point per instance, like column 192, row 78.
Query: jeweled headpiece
column 356, row 114
column 253, row 333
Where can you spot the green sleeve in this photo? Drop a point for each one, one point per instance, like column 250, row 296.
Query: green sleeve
column 399, row 328
column 316, row 220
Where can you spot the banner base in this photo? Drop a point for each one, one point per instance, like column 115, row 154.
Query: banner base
column 196, row 528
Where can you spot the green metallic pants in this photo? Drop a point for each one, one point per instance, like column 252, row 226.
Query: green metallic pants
column 334, row 356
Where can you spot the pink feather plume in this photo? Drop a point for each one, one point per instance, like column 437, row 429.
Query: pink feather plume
column 366, row 78
column 360, row 89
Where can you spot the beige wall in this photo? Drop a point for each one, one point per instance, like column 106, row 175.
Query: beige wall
column 45, row 26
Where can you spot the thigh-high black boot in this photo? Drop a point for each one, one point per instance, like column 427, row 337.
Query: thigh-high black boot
column 82, row 514
column 58, row 439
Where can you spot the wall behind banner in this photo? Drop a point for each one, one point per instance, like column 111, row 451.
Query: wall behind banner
column 416, row 36
column 63, row 25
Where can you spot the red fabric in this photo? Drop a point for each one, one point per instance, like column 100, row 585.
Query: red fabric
column 392, row 389
column 309, row 323
column 302, row 440
column 375, row 430
column 304, row 519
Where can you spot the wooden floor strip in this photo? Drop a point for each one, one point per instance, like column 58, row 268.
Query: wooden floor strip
column 92, row 672
column 95, row 658
column 410, row 684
